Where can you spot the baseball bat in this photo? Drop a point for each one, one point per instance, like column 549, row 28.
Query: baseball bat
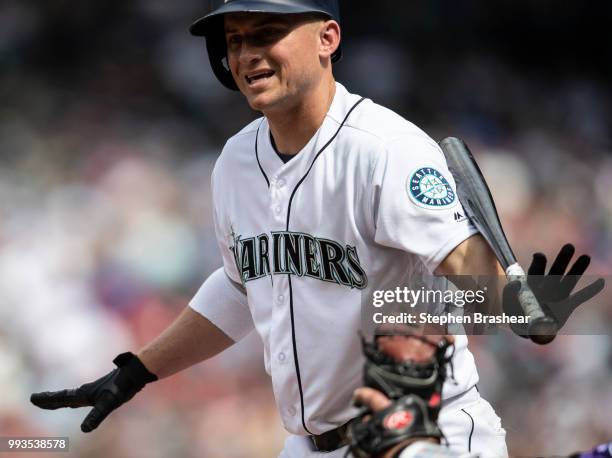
column 476, row 198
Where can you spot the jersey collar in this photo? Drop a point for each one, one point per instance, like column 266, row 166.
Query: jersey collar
column 273, row 167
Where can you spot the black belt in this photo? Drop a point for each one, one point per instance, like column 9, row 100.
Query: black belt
column 331, row 440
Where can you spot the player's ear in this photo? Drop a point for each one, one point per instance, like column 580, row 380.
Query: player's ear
column 329, row 38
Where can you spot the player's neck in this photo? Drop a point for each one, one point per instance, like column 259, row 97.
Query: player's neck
column 292, row 129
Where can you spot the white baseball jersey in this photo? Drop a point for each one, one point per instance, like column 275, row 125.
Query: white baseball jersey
column 308, row 238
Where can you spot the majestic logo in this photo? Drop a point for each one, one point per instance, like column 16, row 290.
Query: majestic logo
column 298, row 254
column 429, row 189
column 459, row 217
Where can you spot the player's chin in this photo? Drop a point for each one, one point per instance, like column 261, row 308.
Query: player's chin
column 259, row 95
column 260, row 101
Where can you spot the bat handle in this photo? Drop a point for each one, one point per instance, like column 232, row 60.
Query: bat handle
column 542, row 328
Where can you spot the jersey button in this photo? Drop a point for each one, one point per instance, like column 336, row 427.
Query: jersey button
column 291, row 411
column 277, row 210
column 280, row 299
column 282, row 357
column 280, row 183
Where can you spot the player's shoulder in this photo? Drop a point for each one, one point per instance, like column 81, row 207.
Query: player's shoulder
column 246, row 135
column 239, row 146
column 385, row 126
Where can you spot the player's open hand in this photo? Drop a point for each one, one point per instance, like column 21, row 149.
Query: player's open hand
column 553, row 290
column 104, row 395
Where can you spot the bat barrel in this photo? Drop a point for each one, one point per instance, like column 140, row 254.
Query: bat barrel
column 476, row 197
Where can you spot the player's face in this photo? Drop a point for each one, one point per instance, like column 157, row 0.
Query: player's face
column 274, row 58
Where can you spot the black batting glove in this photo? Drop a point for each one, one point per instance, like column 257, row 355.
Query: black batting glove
column 553, row 290
column 104, row 395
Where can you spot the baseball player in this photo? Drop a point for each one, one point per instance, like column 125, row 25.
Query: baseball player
column 399, row 414
column 325, row 197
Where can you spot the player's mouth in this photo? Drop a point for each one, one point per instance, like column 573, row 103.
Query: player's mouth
column 259, row 76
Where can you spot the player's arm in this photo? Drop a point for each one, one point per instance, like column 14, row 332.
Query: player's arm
column 217, row 317
column 190, row 339
column 471, row 257
column 472, row 266
column 473, row 261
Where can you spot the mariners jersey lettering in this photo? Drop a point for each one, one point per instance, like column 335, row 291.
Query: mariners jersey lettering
column 367, row 202
column 300, row 255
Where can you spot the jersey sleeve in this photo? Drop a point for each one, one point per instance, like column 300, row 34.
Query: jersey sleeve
column 221, row 298
column 223, row 231
column 224, row 304
column 414, row 201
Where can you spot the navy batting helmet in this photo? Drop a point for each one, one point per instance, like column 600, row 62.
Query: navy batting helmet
column 211, row 27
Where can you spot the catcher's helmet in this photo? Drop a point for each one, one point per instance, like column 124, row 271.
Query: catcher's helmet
column 211, row 27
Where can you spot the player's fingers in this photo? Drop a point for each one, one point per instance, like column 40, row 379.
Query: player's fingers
column 563, row 312
column 588, row 292
column 538, row 264
column 572, row 278
column 371, row 398
column 104, row 406
column 537, row 270
column 563, row 259
column 57, row 399
column 580, row 266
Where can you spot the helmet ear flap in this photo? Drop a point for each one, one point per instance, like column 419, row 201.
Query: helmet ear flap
column 217, row 53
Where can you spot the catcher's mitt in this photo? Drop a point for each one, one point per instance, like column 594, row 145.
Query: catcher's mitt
column 410, row 370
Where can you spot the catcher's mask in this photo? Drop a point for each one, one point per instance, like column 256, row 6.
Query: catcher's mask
column 399, row 378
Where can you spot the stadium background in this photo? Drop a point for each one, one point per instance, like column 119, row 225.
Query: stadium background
column 110, row 123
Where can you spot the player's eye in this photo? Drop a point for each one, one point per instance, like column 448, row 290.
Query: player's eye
column 267, row 36
column 263, row 37
column 234, row 41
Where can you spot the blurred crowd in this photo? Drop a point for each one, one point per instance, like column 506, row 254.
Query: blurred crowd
column 110, row 124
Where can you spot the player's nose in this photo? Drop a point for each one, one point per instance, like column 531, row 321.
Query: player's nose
column 249, row 54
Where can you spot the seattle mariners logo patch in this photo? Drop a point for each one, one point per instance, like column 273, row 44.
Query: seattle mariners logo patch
column 428, row 188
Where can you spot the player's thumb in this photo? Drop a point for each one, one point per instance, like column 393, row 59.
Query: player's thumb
column 510, row 298
column 373, row 399
column 103, row 407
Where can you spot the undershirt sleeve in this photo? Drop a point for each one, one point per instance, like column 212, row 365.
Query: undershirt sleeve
column 415, row 203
